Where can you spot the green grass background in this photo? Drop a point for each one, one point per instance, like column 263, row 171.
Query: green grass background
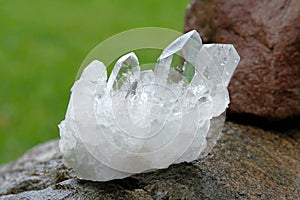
column 43, row 43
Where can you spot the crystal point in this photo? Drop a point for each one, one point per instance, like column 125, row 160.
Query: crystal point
column 225, row 58
column 187, row 46
column 125, row 72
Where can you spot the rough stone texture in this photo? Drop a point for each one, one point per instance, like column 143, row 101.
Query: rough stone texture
column 266, row 34
column 247, row 163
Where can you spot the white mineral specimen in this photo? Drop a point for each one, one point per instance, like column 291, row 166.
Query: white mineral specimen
column 139, row 121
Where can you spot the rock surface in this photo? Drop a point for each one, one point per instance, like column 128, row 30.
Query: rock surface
column 267, row 37
column 247, row 163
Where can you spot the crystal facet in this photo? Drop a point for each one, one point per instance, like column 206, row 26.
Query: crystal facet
column 140, row 121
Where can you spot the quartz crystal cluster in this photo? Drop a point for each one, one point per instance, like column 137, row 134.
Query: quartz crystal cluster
column 138, row 121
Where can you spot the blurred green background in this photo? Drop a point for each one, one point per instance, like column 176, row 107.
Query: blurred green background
column 42, row 45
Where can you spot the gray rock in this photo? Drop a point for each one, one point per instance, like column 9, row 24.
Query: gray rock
column 246, row 163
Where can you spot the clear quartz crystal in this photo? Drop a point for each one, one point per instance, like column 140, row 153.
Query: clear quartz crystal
column 140, row 121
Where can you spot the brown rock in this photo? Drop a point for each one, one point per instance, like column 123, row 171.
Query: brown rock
column 266, row 34
column 246, row 163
